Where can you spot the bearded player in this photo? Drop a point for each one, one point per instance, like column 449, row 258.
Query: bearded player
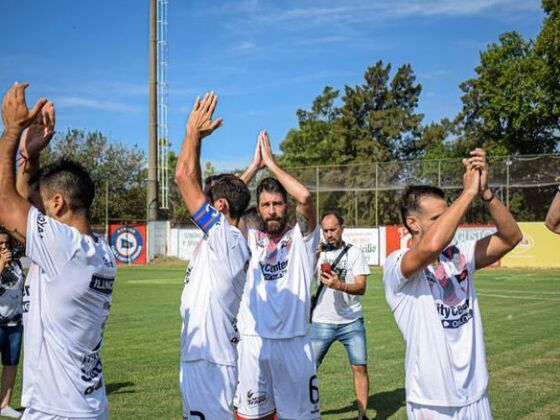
column 276, row 366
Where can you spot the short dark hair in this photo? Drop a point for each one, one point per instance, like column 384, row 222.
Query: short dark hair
column 209, row 181
column 271, row 185
column 234, row 190
column 69, row 178
column 335, row 214
column 410, row 200
column 4, row 231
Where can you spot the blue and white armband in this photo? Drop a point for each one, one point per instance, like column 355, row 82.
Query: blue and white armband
column 206, row 217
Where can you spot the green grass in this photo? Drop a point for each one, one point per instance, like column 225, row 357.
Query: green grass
column 521, row 317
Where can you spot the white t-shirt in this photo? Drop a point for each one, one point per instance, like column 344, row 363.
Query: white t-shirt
column 11, row 294
column 337, row 307
column 276, row 300
column 437, row 312
column 214, row 284
column 67, row 299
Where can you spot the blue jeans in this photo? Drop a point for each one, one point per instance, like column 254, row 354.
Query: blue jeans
column 352, row 336
column 10, row 344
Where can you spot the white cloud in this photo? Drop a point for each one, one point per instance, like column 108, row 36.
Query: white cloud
column 92, row 103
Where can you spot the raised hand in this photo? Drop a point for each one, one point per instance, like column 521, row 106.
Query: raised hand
column 471, row 178
column 15, row 114
column 5, row 257
column 257, row 158
column 200, row 120
column 266, row 149
column 478, row 161
column 38, row 135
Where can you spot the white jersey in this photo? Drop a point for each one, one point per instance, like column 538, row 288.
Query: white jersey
column 67, row 298
column 276, row 301
column 437, row 312
column 337, row 307
column 214, row 284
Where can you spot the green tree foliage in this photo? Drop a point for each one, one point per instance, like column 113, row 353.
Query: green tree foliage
column 513, row 105
column 110, row 163
column 375, row 121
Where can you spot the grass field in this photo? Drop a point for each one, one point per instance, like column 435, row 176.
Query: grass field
column 521, row 317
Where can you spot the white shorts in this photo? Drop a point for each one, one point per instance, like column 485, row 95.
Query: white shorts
column 32, row 414
column 479, row 410
column 207, row 389
column 277, row 375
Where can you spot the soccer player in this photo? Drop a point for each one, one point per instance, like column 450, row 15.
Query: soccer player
column 430, row 289
column 214, row 279
column 338, row 313
column 552, row 220
column 276, row 367
column 67, row 293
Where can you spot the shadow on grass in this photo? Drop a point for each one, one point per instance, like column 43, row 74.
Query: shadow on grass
column 115, row 388
column 385, row 404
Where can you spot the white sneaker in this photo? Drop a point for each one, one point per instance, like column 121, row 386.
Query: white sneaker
column 10, row 412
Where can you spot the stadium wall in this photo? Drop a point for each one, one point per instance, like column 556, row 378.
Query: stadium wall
column 537, row 249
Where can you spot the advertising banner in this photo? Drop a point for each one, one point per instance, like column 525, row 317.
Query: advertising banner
column 539, row 248
column 365, row 238
column 128, row 243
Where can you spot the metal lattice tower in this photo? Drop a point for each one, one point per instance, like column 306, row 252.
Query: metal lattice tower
column 162, row 97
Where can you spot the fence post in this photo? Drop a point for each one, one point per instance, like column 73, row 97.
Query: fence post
column 376, row 195
column 107, row 210
column 439, row 173
column 355, row 208
column 508, row 164
column 317, row 189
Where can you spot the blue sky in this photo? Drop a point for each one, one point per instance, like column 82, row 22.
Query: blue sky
column 265, row 59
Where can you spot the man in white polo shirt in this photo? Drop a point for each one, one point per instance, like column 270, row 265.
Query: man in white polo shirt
column 337, row 315
column 431, row 291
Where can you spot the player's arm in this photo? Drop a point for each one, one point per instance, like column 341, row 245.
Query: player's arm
column 187, row 171
column 440, row 234
column 16, row 117
column 552, row 220
column 33, row 140
column 256, row 165
column 305, row 213
column 493, row 247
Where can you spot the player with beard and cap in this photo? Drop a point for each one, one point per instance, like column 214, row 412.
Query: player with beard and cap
column 276, row 366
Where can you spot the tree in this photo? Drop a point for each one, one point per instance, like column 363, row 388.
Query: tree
column 110, row 163
column 511, row 107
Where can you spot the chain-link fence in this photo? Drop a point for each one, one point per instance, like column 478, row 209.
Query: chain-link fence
column 368, row 194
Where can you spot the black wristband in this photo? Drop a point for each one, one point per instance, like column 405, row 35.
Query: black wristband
column 487, row 200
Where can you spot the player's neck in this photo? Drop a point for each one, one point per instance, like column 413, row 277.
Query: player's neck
column 80, row 222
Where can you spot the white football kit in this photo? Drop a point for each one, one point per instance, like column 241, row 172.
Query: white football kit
column 437, row 312
column 276, row 366
column 210, row 301
column 67, row 299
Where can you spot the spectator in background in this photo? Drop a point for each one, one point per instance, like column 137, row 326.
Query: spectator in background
column 337, row 315
column 11, row 329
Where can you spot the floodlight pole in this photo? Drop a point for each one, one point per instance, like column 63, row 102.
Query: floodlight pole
column 152, row 193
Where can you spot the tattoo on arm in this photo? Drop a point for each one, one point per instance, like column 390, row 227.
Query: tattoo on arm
column 303, row 223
